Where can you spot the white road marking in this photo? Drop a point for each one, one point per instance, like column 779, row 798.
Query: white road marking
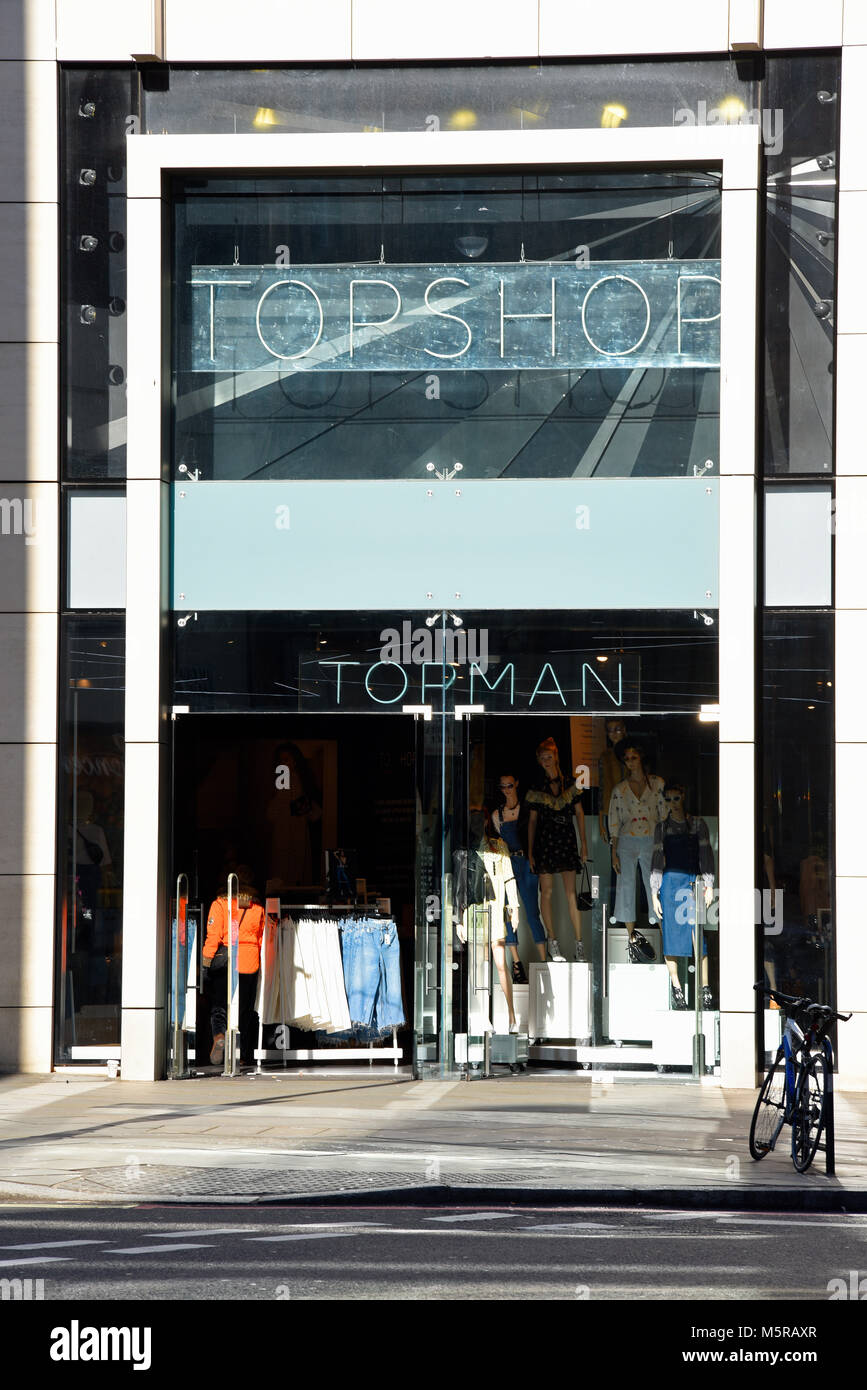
column 38, row 1260
column 312, row 1235
column 152, row 1249
column 572, row 1226
column 480, row 1216
column 745, row 1219
column 175, row 1235
column 52, row 1244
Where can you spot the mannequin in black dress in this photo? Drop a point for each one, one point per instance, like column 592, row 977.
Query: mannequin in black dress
column 551, row 836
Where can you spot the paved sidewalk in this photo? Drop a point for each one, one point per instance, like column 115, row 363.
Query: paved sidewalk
column 322, row 1136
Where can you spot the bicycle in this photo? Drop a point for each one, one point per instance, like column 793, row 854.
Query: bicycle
column 797, row 1088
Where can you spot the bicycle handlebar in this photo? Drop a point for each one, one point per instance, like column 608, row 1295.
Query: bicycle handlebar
column 807, row 1005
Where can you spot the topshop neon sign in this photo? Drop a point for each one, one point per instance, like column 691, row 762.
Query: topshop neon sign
column 454, row 317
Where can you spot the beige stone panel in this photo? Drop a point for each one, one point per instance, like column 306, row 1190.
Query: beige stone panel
column 393, row 31
column 28, row 132
column 105, row 31
column 632, row 27
column 27, row 776
column 851, row 281
column 27, row 29
column 28, row 272
column 28, row 678
column 803, row 24
column 27, row 941
column 850, row 646
column 28, row 412
column 25, row 1039
column 854, row 21
column 850, row 530
column 142, row 1043
column 851, row 1054
column 738, row 1049
column 28, row 548
column 853, row 154
column 851, row 770
column 851, row 446
column 273, row 31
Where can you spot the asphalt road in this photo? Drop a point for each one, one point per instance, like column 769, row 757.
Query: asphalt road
column 436, row 1254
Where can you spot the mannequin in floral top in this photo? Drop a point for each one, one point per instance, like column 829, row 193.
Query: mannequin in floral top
column 635, row 809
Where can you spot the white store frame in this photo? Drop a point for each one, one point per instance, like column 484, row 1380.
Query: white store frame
column 735, row 150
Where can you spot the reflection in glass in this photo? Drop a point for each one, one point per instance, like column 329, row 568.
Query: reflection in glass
column 796, row 873
column 91, row 849
column 533, row 415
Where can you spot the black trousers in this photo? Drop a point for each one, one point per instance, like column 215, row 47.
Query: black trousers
column 247, row 1016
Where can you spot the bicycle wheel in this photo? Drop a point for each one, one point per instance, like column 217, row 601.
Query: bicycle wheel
column 770, row 1111
column 808, row 1118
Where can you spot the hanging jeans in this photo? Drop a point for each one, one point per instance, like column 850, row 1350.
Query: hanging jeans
column 371, row 972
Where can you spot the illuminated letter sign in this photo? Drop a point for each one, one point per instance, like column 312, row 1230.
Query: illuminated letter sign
column 479, row 317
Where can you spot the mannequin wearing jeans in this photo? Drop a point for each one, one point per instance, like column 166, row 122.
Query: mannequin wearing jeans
column 682, row 854
column 634, row 812
column 511, row 821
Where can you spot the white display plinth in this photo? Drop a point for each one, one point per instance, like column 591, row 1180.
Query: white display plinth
column 636, row 994
column 520, row 1001
column 560, row 1001
column 673, row 1034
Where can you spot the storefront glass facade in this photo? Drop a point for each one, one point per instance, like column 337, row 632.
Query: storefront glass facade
column 474, row 344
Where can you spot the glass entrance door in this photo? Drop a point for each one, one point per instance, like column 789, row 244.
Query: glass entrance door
column 553, row 948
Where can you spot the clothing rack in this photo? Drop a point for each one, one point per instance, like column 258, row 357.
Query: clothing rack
column 327, row 1054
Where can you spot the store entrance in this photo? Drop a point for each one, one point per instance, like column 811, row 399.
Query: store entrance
column 554, row 959
column 394, row 858
column 316, row 814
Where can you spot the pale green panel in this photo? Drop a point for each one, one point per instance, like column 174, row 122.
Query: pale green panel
column 593, row 543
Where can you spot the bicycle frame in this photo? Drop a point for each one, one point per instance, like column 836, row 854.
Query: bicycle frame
column 793, row 1040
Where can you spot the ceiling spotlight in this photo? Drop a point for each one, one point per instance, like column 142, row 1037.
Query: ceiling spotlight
column 613, row 115
column 87, row 243
column 826, row 97
column 822, row 308
column 824, row 237
column 87, row 177
column 87, row 314
column 87, row 110
column 825, row 161
column 731, row 109
column 462, row 119
column 116, row 306
column 115, row 375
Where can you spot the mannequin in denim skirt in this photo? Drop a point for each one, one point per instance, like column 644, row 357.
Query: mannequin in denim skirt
column 682, row 854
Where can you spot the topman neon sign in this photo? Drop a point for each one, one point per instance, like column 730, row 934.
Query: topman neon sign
column 489, row 317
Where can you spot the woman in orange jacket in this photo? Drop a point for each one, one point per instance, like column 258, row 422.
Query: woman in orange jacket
column 249, row 921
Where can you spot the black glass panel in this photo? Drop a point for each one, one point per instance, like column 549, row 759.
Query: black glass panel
column 90, row 850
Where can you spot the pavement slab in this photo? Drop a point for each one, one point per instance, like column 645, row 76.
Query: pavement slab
column 303, row 1138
